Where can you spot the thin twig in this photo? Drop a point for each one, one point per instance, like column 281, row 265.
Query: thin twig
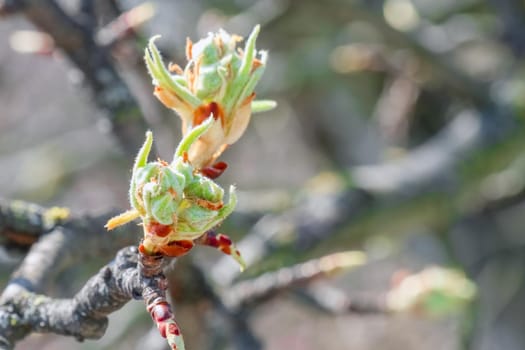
column 25, row 223
column 246, row 294
column 336, row 301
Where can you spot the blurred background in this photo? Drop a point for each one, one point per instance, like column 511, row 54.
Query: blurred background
column 398, row 133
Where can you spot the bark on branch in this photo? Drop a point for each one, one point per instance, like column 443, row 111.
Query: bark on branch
column 129, row 276
column 83, row 316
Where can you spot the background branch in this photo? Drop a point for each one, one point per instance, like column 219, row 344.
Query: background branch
column 76, row 39
column 388, row 196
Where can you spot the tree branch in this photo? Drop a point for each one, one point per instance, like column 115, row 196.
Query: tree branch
column 428, row 186
column 59, row 241
column 63, row 242
column 129, row 275
column 77, row 41
column 83, row 316
column 246, row 294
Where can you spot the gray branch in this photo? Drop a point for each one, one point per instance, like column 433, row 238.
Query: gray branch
column 77, row 40
column 385, row 196
column 85, row 315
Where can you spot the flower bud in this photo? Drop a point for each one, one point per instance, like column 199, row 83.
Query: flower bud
column 218, row 80
column 176, row 205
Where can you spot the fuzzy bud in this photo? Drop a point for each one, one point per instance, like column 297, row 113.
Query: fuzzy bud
column 219, row 80
column 174, row 203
